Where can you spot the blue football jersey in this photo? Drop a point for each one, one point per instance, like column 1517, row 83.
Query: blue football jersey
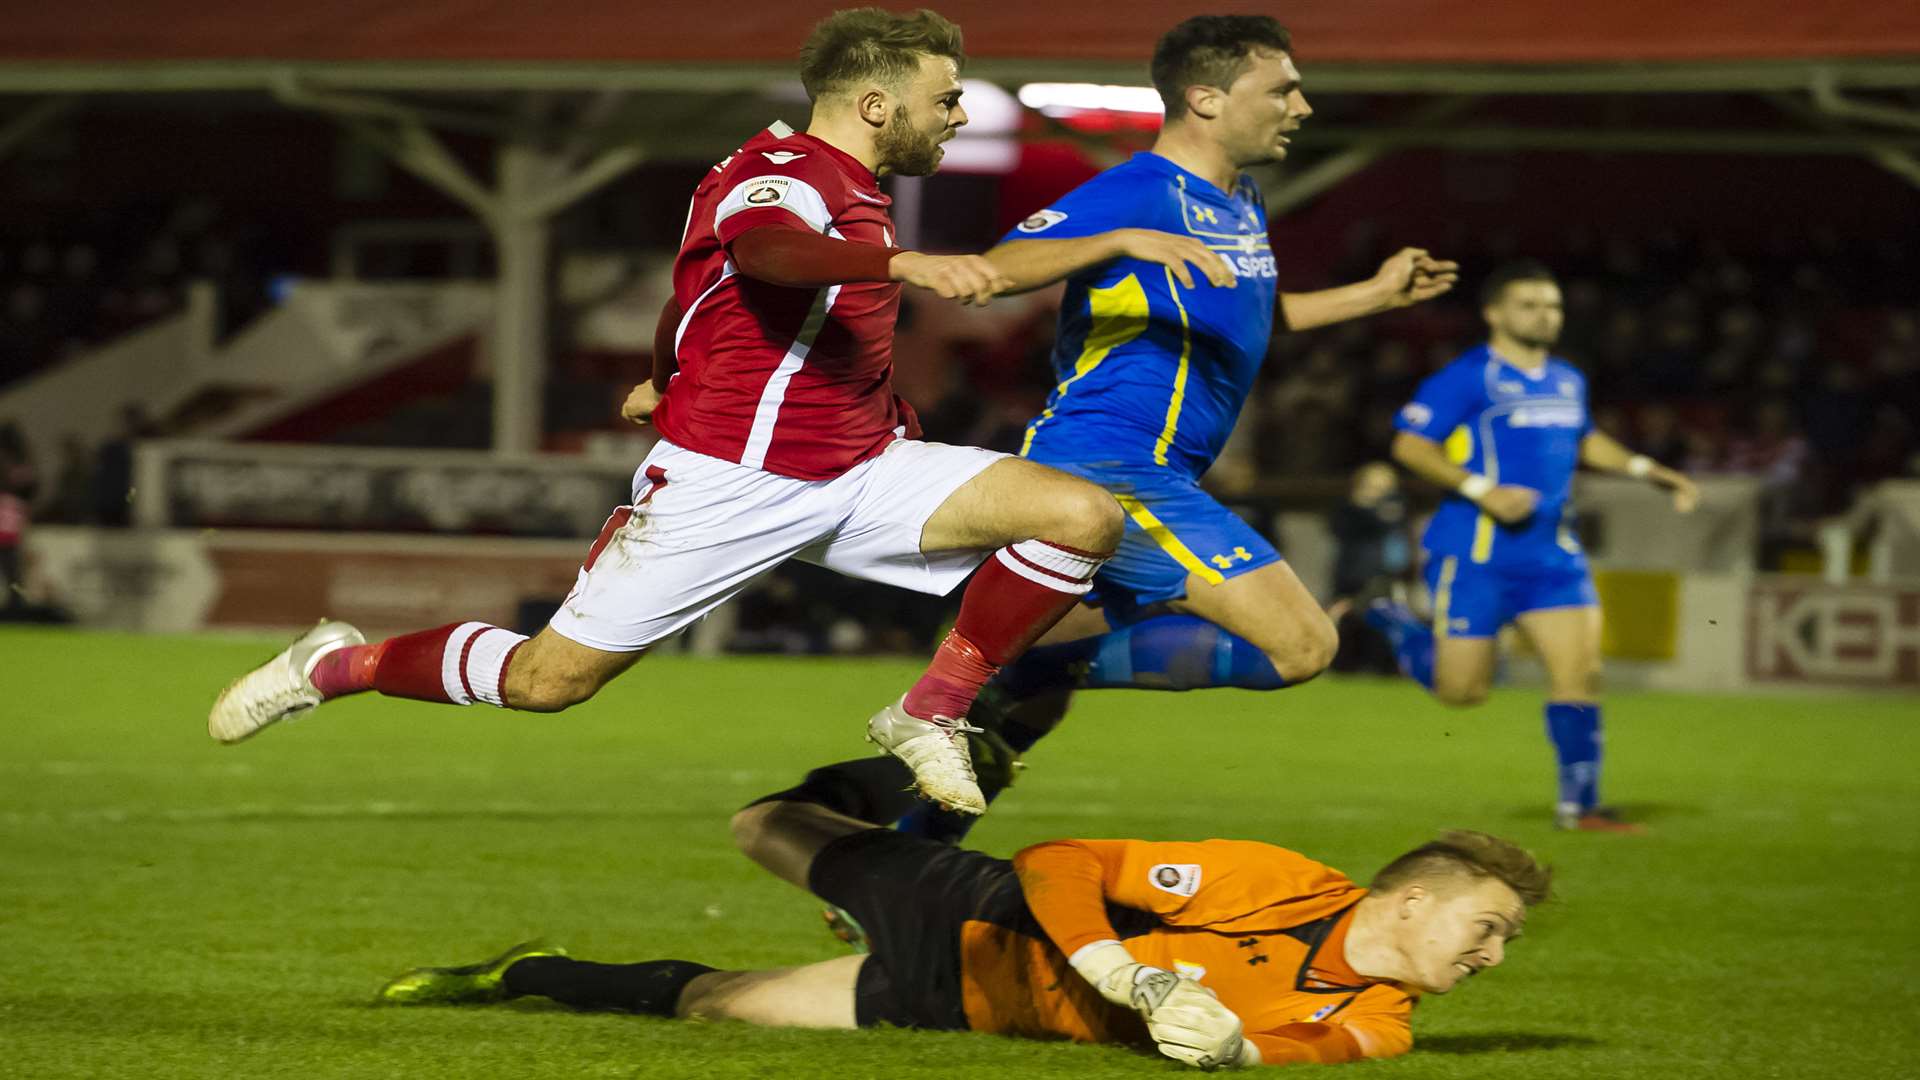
column 1513, row 427
column 1146, row 371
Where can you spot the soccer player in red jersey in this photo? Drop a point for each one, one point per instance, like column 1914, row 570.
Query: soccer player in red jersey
column 783, row 438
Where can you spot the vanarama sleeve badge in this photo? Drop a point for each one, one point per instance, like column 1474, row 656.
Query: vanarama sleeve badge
column 1180, row 879
column 1042, row 221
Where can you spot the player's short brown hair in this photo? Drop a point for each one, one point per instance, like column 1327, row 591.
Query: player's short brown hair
column 1513, row 272
column 1211, row 50
column 1473, row 855
column 871, row 43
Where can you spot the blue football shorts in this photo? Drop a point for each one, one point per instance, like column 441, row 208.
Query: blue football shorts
column 1474, row 600
column 1174, row 529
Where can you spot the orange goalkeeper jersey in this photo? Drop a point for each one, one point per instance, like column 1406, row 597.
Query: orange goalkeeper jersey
column 1264, row 928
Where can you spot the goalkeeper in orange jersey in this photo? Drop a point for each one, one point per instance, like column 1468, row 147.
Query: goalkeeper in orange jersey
column 1217, row 953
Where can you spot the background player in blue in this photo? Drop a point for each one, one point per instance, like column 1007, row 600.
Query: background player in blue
column 1503, row 427
column 1153, row 365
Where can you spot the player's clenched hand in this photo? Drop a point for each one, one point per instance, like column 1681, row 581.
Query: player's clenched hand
column 640, row 404
column 1510, row 504
column 1187, row 1022
column 1411, row 275
column 970, row 279
column 1686, row 493
column 1175, row 252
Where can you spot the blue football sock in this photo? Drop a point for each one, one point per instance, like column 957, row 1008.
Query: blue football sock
column 1172, row 652
column 1574, row 728
column 1412, row 640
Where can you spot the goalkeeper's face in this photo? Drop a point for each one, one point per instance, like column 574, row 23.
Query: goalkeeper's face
column 1456, row 928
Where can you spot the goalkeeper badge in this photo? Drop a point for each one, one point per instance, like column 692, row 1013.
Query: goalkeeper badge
column 1180, row 879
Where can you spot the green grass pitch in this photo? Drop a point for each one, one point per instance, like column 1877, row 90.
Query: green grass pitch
column 170, row 908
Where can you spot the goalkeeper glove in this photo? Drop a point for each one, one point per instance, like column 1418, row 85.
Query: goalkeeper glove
column 1187, row 1022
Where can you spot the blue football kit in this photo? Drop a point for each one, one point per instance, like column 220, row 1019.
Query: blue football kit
column 1521, row 427
column 1150, row 376
column 1515, row 427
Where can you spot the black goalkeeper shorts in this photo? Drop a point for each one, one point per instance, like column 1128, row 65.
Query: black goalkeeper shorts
column 912, row 896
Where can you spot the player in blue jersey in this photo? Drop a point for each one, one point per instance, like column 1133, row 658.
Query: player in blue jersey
column 1503, row 428
column 1153, row 366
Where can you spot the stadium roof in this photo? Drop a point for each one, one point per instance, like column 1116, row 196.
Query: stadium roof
column 1417, row 45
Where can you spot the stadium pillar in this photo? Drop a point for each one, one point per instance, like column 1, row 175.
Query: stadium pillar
column 518, row 351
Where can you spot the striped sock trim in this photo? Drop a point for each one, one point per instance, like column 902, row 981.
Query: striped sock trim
column 1060, row 569
column 453, row 659
column 486, row 666
column 474, row 664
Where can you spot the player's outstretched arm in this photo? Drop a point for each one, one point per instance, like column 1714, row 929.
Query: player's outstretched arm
column 1033, row 264
column 970, row 279
column 1508, row 504
column 1409, row 276
column 1602, row 451
column 801, row 258
column 1066, row 887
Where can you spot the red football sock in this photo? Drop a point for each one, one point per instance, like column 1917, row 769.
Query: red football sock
column 1017, row 596
column 347, row 671
column 457, row 664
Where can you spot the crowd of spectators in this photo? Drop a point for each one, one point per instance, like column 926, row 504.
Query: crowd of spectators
column 80, row 282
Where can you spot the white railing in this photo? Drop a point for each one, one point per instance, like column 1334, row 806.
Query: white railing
column 1888, row 515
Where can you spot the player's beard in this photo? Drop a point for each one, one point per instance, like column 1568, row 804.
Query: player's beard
column 905, row 149
column 1538, row 340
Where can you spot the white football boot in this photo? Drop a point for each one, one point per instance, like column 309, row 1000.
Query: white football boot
column 280, row 688
column 936, row 751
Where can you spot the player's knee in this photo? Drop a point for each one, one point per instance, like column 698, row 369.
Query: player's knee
column 1578, row 686
column 1085, row 516
column 1460, row 693
column 749, row 826
column 1307, row 651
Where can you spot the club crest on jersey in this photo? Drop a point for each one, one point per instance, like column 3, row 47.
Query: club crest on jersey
column 1042, row 221
column 766, row 192
column 781, row 157
column 1180, row 879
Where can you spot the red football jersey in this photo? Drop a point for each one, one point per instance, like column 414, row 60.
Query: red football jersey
column 791, row 380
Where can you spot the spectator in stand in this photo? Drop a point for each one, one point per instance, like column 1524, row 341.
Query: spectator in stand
column 1371, row 529
column 1660, row 437
column 1771, row 446
column 1310, row 407
column 17, row 485
column 113, row 469
column 72, row 499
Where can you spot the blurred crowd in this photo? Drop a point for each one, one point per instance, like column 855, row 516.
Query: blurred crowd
column 97, row 275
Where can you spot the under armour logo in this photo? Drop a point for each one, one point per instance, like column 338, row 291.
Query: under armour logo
column 1225, row 562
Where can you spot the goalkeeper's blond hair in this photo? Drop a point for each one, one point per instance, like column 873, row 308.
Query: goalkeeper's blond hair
column 1471, row 856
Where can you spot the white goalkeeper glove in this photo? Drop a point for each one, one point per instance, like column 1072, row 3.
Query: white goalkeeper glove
column 1187, row 1022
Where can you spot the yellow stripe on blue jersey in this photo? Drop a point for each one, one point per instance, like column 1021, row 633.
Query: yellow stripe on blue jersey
column 1119, row 313
column 1517, row 426
column 1179, row 375
column 1443, row 596
column 1168, row 542
column 1168, row 395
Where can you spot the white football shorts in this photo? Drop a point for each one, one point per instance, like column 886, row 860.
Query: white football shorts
column 701, row 529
